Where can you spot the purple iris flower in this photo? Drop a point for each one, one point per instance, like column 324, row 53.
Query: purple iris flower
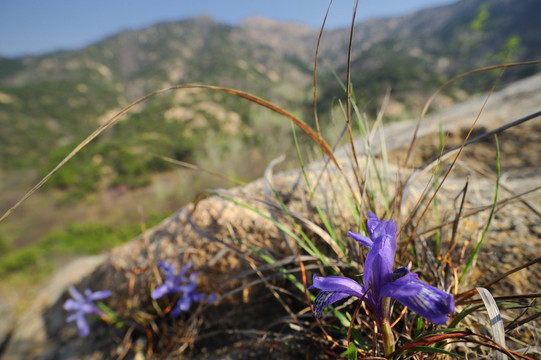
column 179, row 284
column 382, row 284
column 82, row 305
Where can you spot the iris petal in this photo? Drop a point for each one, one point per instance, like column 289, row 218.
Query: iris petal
column 73, row 317
column 98, row 295
column 75, row 294
column 338, row 284
column 377, row 270
column 427, row 301
column 326, row 298
column 365, row 240
column 402, row 285
column 71, row 305
column 81, row 305
column 168, row 270
column 334, row 288
column 82, row 326
column 371, row 224
column 159, row 292
column 182, row 273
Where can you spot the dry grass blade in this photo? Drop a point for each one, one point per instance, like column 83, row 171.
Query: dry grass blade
column 266, row 282
column 507, row 298
column 348, row 93
column 463, row 296
column 451, row 166
column 496, row 321
column 450, row 81
column 199, row 168
column 483, row 136
column 516, row 324
column 458, row 216
column 304, row 127
column 314, row 86
column 509, row 200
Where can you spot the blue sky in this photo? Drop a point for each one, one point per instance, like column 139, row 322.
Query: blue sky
column 30, row 27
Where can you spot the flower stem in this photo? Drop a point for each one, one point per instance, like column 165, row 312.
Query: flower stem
column 387, row 332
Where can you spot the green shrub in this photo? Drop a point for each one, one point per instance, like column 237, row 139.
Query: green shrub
column 20, row 261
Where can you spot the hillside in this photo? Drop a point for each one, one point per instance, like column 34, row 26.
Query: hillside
column 51, row 102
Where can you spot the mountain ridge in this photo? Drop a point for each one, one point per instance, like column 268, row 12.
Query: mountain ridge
column 61, row 95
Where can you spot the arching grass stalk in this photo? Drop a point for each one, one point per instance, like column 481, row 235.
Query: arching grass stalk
column 316, row 138
column 492, row 211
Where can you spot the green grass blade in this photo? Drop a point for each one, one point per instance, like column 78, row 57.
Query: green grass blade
column 437, row 177
column 309, row 247
column 323, row 217
column 492, row 211
column 467, row 311
column 350, row 353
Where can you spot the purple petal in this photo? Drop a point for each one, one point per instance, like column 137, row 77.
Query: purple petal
column 184, row 302
column 187, row 288
column 82, row 326
column 212, row 299
column 326, row 298
column 98, row 295
column 379, row 229
column 334, row 288
column 338, row 284
column 71, row 305
column 365, row 240
column 378, row 267
column 74, row 316
column 427, row 301
column 180, row 277
column 90, row 308
column 168, row 270
column 380, row 259
column 176, row 311
column 185, row 268
column 75, row 294
column 371, row 224
column 160, row 291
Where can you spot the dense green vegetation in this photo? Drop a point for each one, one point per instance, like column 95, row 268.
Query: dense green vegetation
column 77, row 239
